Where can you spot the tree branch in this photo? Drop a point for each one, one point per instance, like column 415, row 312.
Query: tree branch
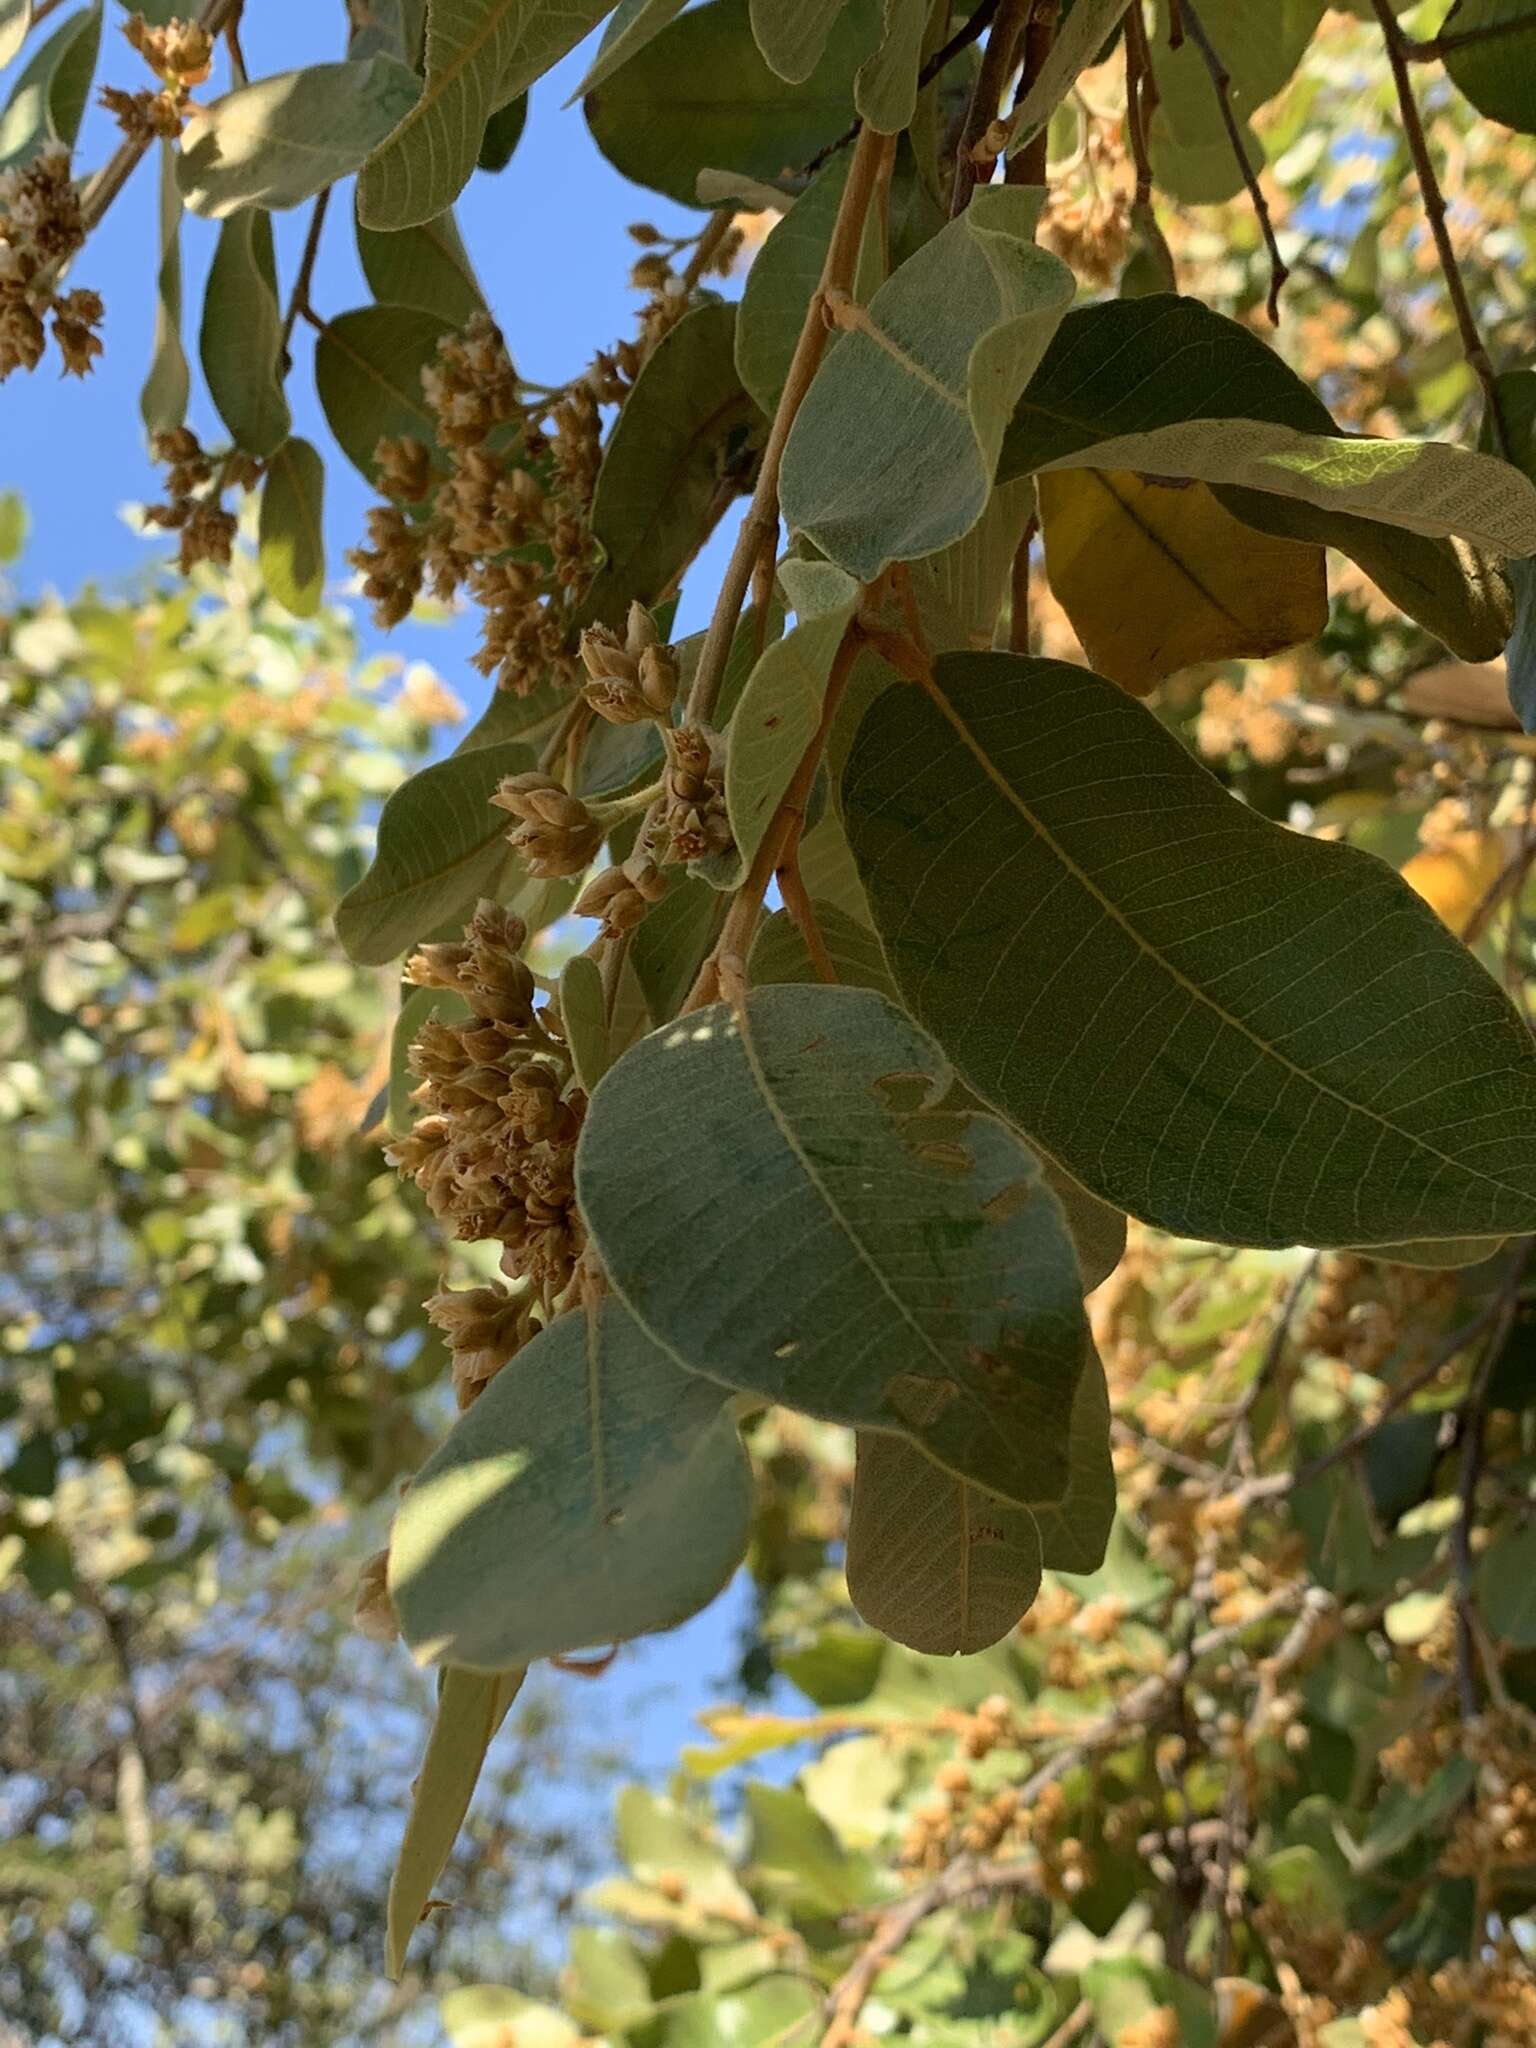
column 298, row 301
column 1435, row 49
column 967, row 33
column 973, row 164
column 1221, row 79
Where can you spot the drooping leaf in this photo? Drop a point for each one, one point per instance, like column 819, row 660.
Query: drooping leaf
column 280, row 140
column 15, row 20
column 1079, row 39
column 13, row 525
column 1227, row 1028
column 442, row 846
column 631, row 26
column 291, row 537
column 48, row 100
column 368, row 367
column 471, row 1706
column 1156, row 576
column 503, row 132
column 427, row 267
column 934, row 1563
column 922, row 386
column 792, row 34
column 1234, row 414
column 1260, row 43
column 480, row 54
column 685, row 427
column 699, row 96
column 960, row 591
column 241, row 337
column 583, row 1014
column 163, row 400
column 908, row 1272
column 593, row 1492
column 1074, row 1531
column 778, row 714
column 885, row 91
column 1498, row 74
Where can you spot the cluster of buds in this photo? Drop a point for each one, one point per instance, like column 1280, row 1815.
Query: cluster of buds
column 622, row 895
column 484, row 1327
column 494, row 1154
column 41, row 227
column 694, row 817
column 181, row 56
column 555, row 833
column 195, row 484
column 1087, row 218
column 633, row 679
column 668, row 295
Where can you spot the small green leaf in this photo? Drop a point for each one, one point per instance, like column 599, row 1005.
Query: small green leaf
column 1506, row 1587
column 614, row 1483
column 471, row 1706
column 792, row 34
column 426, row 267
column 480, row 54
column 13, row 525
column 584, row 1017
column 698, row 96
column 47, row 102
column 241, row 342
column 631, row 26
column 1074, row 1531
column 1260, row 43
column 1079, row 39
column 791, row 1846
column 15, row 20
column 604, row 1982
column 670, row 942
column 442, row 846
column 934, row 1563
column 503, row 132
column 885, row 91
column 923, row 385
column 280, row 140
column 779, row 712
column 163, row 400
column 1231, row 1029
column 291, row 538
column 684, row 427
column 772, row 2012
column 368, row 367
column 1498, row 74
column 878, row 1263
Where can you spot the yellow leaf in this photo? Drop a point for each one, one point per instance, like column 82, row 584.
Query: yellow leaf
column 1454, row 876
column 471, row 1706
column 1158, row 575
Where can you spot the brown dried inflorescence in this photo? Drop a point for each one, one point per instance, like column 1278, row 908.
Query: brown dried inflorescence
column 494, row 1149
column 694, row 819
column 41, row 227
column 195, row 483
column 555, row 833
column 632, row 679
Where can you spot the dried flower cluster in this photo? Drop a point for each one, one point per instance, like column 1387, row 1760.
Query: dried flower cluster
column 1087, row 216
column 632, row 679
column 494, row 1150
column 555, row 833
column 41, row 227
column 181, row 56
column 195, row 483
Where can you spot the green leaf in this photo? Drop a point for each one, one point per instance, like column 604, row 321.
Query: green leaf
column 613, row 1485
column 471, row 1706
column 685, row 425
column 779, row 953
column 282, row 139
column 877, row 1264
column 395, row 28
column 1079, row 39
column 584, row 1017
column 163, row 400
column 792, row 34
column 774, row 2012
column 48, row 100
column 1236, row 415
column 604, row 1984
column 1506, row 1587
column 779, row 712
column 885, row 91
column 442, row 846
column 923, row 385
column 779, row 285
column 368, row 367
column 1497, row 75
column 480, row 54
column 669, row 944
column 503, row 132
column 699, row 96
column 13, row 525
column 15, row 20
column 1074, row 1531
column 241, row 342
column 1230, row 1029
column 491, row 2016
column 657, row 1839
column 960, row 591
column 934, row 1563
column 794, row 1849
column 1260, row 43
column 427, row 267
column 631, row 26
column 291, row 538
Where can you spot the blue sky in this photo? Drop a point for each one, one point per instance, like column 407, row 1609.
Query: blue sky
column 548, row 239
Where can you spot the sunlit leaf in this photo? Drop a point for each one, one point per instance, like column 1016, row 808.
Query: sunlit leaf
column 427, row 267
column 291, row 536
column 163, row 400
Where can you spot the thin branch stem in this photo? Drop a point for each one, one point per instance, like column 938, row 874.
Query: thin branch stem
column 1434, row 206
column 1142, row 96
column 870, row 161
column 797, row 902
column 973, row 166
column 1027, row 166
column 1221, row 79
column 298, row 301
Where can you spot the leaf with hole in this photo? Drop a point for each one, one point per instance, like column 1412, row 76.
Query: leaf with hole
column 923, row 384
column 281, row 140
column 1155, row 576
column 593, row 1492
column 1224, row 1027
column 908, row 1270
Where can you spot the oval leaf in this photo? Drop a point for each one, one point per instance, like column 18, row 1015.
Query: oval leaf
column 1224, row 1027
column 47, row 101
column 427, row 267
column 592, row 1493
column 832, row 1241
column 241, row 342
column 291, row 539
column 368, row 367
column 163, row 400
